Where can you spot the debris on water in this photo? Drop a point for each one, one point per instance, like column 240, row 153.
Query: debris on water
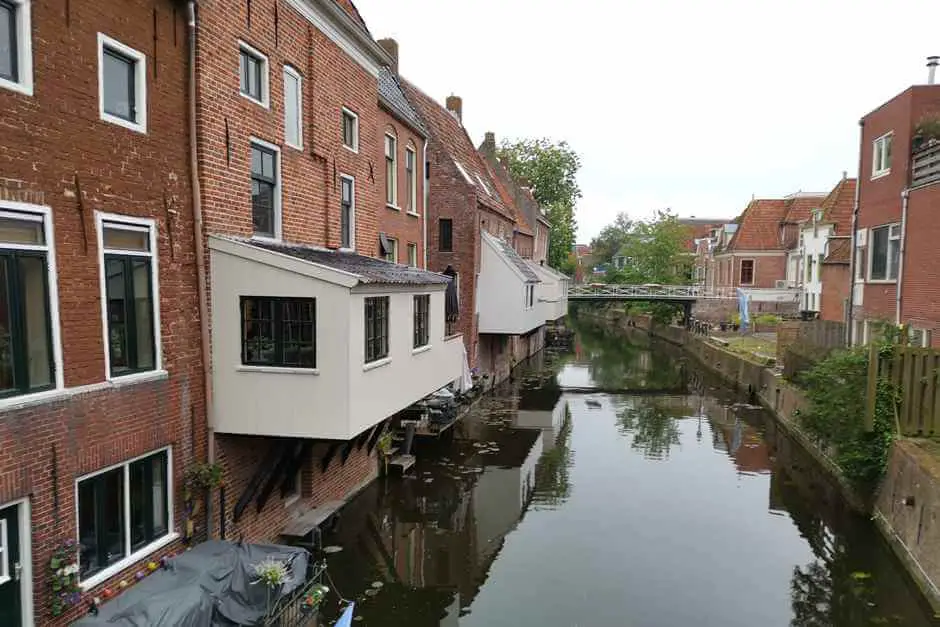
column 371, row 592
column 377, row 584
column 857, row 575
column 332, row 549
column 429, row 480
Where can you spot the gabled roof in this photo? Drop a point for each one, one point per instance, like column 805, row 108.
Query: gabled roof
column 368, row 270
column 839, row 249
column 800, row 206
column 350, row 9
column 839, row 205
column 450, row 133
column 759, row 226
column 392, row 96
column 504, row 186
column 511, row 257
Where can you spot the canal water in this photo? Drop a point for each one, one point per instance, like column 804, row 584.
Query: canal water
column 614, row 486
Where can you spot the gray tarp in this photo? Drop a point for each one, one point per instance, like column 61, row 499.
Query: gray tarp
column 208, row 586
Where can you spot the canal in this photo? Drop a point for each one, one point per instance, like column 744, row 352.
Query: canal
column 649, row 497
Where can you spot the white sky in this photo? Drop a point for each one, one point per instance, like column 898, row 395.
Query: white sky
column 688, row 104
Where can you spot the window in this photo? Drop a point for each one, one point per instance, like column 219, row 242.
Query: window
column 376, row 316
column 529, row 296
column 881, row 158
column 293, row 108
column 16, row 63
column 413, row 255
column 412, row 175
column 747, row 271
column 885, row 253
column 350, row 130
column 279, row 332
column 265, row 190
column 421, row 319
column 446, row 235
column 389, row 249
column 253, row 74
column 391, row 171
column 819, row 262
column 122, row 84
column 347, row 213
column 26, row 355
column 130, row 310
column 123, row 510
column 808, row 269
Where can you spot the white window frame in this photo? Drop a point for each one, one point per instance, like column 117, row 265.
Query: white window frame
column 878, row 166
column 265, row 74
column 896, row 227
column 278, row 187
column 352, row 212
column 138, row 555
column 753, row 271
column 27, row 211
column 413, row 179
column 118, row 221
column 393, row 184
column 24, row 50
column 412, row 254
column 140, row 83
column 355, row 119
column 393, row 244
column 291, row 73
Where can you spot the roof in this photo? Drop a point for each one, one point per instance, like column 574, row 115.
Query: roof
column 350, row 9
column 759, row 226
column 840, row 203
column 699, row 229
column 393, row 97
column 366, row 269
column 799, row 209
column 512, row 257
column 839, row 249
column 512, row 201
column 453, row 138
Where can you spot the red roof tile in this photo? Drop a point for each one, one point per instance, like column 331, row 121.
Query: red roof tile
column 759, row 226
column 452, row 136
column 839, row 205
column 799, row 209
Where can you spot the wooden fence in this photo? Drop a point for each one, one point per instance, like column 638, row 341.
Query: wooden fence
column 915, row 373
column 801, row 344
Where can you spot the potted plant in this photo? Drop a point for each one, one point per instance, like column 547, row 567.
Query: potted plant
column 926, row 133
column 198, row 478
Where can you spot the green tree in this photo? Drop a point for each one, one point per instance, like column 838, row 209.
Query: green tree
column 551, row 169
column 611, row 239
column 656, row 251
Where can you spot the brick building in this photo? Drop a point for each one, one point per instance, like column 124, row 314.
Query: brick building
column 897, row 203
column 753, row 255
column 102, row 402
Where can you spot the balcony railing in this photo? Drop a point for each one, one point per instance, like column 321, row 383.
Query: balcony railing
column 925, row 168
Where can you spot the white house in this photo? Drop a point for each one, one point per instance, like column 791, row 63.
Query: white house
column 551, row 294
column 312, row 343
column 506, row 290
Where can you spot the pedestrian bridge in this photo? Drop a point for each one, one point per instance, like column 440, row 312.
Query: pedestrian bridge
column 666, row 293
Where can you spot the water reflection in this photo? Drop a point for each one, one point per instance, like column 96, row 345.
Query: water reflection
column 639, row 509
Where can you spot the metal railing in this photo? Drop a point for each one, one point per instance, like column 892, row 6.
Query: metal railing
column 294, row 610
column 649, row 292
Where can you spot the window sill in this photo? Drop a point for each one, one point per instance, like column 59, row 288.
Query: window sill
column 413, row 214
column 24, row 401
column 393, row 207
column 882, row 174
column 355, row 151
column 138, row 377
column 18, row 87
column 421, row 349
column 372, row 365
column 278, row 370
column 116, row 568
column 260, row 103
column 881, row 281
column 133, row 126
column 299, row 148
column 266, row 238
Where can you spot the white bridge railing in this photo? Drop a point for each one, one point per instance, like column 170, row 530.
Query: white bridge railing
column 648, row 292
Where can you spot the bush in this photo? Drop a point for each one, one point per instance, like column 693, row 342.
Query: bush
column 767, row 320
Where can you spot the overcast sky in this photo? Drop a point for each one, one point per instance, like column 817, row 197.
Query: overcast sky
column 689, row 104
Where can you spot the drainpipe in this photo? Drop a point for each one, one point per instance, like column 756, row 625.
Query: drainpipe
column 897, row 297
column 200, row 252
column 427, row 185
column 849, row 314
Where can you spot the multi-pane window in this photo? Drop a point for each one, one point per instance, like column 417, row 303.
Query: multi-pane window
column 390, row 249
column 26, row 357
column 122, row 90
column 446, row 234
column 347, row 214
column 350, row 130
column 422, row 317
column 413, row 255
column 412, row 175
column 391, row 171
column 376, row 331
column 129, row 302
column 885, row 253
column 293, row 108
column 279, row 332
column 881, row 157
column 264, row 190
column 253, row 74
column 9, row 41
column 747, row 271
column 122, row 511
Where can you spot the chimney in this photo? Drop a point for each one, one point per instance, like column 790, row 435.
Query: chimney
column 390, row 46
column 489, row 143
column 455, row 106
column 932, row 63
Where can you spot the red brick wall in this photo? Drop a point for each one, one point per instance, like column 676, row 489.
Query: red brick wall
column 767, row 270
column 400, row 224
column 48, row 139
column 835, row 291
column 921, row 281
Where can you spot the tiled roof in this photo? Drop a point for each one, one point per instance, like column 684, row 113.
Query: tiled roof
column 450, row 133
column 368, row 269
column 759, row 226
column 504, row 186
column 698, row 230
column 350, row 9
column 391, row 93
column 839, row 204
column 840, row 249
column 799, row 209
column 513, row 257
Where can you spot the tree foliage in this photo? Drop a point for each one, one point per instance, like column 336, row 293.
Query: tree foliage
column 611, row 239
column 551, row 169
column 654, row 250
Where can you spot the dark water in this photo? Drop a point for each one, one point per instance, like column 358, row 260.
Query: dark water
column 669, row 504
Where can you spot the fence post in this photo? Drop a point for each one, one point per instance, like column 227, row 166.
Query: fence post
column 872, row 392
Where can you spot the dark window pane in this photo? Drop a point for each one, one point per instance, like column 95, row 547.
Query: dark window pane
column 143, row 315
column 14, row 231
column 263, row 190
column 148, row 499
column 279, row 332
column 376, row 328
column 101, row 520
column 421, row 319
column 87, row 528
column 8, row 43
column 130, row 314
column 7, row 372
column 446, row 235
column 32, row 285
column 140, row 531
column 250, row 75
column 346, row 211
column 879, row 253
column 117, row 314
column 118, row 88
